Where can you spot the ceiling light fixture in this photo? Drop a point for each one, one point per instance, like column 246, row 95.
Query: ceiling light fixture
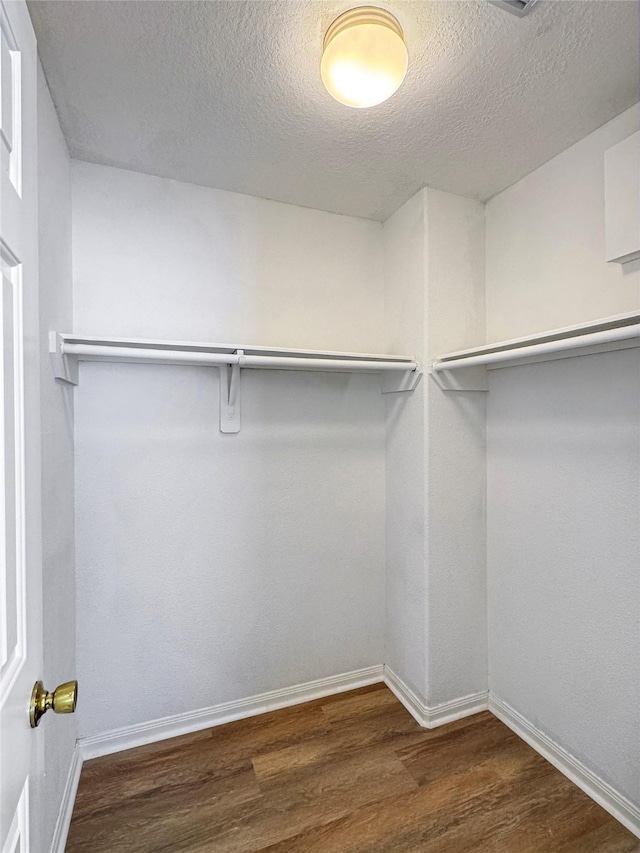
column 364, row 57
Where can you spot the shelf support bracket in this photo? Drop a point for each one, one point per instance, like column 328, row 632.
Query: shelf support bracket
column 65, row 367
column 394, row 382
column 230, row 397
column 462, row 379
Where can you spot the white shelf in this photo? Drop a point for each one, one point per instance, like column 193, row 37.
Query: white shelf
column 610, row 333
column 400, row 373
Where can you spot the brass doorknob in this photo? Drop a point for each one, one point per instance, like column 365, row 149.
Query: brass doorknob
column 63, row 700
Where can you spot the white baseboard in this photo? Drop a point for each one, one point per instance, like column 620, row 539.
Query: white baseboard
column 437, row 715
column 429, row 717
column 456, row 709
column 227, row 712
column 405, row 694
column 61, row 830
column 614, row 802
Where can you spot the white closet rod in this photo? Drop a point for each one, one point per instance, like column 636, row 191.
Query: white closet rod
column 398, row 373
column 95, row 351
column 575, row 342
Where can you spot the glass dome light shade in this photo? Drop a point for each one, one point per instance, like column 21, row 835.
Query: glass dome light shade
column 364, row 57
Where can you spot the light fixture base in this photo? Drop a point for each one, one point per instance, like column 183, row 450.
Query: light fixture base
column 362, row 15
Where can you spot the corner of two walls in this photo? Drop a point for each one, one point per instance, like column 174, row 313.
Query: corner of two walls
column 456, row 473
column 197, row 263
column 557, row 603
column 406, row 453
column 546, row 591
column 436, row 644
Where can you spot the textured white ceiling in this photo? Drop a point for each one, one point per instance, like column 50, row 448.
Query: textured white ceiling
column 227, row 93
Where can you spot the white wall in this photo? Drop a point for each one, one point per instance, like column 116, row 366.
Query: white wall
column 456, row 472
column 435, row 585
column 159, row 258
column 406, row 451
column 54, row 176
column 545, row 244
column 564, row 552
column 564, row 471
column 213, row 567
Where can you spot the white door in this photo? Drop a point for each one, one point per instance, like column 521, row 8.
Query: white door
column 20, row 542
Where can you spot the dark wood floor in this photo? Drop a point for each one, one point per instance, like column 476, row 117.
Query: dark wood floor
column 353, row 773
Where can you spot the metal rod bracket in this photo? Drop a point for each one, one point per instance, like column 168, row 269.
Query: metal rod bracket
column 230, row 396
column 399, row 373
column 463, row 379
column 65, row 367
column 393, row 383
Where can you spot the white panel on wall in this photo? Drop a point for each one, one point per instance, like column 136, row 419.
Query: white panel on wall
column 622, row 200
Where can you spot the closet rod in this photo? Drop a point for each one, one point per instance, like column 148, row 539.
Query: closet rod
column 607, row 336
column 166, row 356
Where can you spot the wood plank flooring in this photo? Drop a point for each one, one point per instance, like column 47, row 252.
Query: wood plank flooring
column 352, row 773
